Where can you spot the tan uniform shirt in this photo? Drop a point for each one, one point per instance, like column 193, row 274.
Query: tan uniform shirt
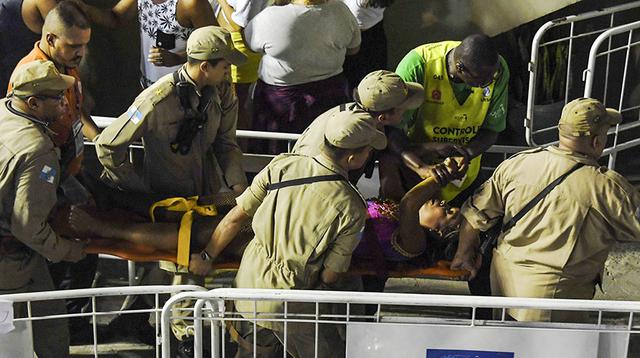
column 558, row 249
column 156, row 116
column 299, row 230
column 312, row 139
column 29, row 176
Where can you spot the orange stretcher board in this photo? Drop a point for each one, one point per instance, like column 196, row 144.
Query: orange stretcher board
column 140, row 253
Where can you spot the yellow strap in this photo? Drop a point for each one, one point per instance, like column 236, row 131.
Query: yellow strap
column 184, row 238
column 173, row 204
column 188, row 206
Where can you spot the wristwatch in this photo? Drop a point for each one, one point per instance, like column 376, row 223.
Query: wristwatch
column 204, row 255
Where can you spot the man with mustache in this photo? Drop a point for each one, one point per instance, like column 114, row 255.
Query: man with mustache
column 65, row 35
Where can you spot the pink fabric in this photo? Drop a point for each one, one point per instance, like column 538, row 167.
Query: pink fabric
column 381, row 223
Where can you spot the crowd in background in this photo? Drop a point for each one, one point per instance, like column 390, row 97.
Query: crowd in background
column 313, row 67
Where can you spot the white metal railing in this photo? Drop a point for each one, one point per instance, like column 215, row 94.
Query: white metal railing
column 611, row 86
column 609, row 317
column 96, row 311
column 290, row 138
column 571, row 31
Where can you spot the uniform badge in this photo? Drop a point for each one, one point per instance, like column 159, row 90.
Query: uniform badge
column 48, row 174
column 486, row 92
column 134, row 114
column 435, row 94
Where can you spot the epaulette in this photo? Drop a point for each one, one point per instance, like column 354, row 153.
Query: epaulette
column 528, row 151
column 158, row 91
column 147, row 100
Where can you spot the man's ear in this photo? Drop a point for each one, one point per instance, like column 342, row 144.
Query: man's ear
column 33, row 103
column 597, row 140
column 50, row 39
column 204, row 66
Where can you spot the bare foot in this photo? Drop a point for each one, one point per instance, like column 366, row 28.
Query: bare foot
column 83, row 223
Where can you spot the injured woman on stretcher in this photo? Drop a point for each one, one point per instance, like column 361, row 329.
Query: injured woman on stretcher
column 399, row 239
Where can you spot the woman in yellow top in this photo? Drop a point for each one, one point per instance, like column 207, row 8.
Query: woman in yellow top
column 234, row 15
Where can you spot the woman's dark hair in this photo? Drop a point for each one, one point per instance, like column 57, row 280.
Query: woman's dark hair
column 380, row 4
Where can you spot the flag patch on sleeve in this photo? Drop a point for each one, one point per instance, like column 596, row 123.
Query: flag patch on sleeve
column 134, row 114
column 48, row 174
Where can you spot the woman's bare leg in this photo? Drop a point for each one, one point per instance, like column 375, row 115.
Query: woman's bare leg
column 163, row 236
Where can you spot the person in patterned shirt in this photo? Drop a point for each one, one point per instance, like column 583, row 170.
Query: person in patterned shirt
column 165, row 26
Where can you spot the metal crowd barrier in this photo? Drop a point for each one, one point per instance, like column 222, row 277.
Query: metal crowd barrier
column 577, row 32
column 413, row 325
column 612, row 90
column 19, row 341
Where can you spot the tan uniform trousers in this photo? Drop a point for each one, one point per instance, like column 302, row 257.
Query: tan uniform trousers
column 301, row 339
column 504, row 282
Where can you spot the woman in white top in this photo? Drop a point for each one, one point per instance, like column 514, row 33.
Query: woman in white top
column 373, row 50
column 304, row 44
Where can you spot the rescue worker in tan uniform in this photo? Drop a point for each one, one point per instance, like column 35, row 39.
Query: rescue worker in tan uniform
column 306, row 219
column 558, row 248
column 29, row 176
column 384, row 97
column 187, row 121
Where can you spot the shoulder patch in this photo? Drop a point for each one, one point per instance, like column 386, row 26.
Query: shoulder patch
column 134, row 114
column 48, row 174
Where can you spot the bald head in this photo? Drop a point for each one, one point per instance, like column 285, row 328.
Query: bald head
column 477, row 49
column 62, row 18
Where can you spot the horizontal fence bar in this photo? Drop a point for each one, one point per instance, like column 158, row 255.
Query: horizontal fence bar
column 98, row 292
column 408, row 299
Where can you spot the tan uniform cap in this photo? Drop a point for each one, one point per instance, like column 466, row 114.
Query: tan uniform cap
column 38, row 77
column 586, row 116
column 212, row 42
column 351, row 130
column 382, row 90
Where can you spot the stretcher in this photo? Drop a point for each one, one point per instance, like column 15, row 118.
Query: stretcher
column 414, row 268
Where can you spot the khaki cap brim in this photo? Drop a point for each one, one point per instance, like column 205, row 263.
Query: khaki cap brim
column 236, row 57
column 67, row 82
column 62, row 83
column 415, row 97
column 613, row 116
column 379, row 141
